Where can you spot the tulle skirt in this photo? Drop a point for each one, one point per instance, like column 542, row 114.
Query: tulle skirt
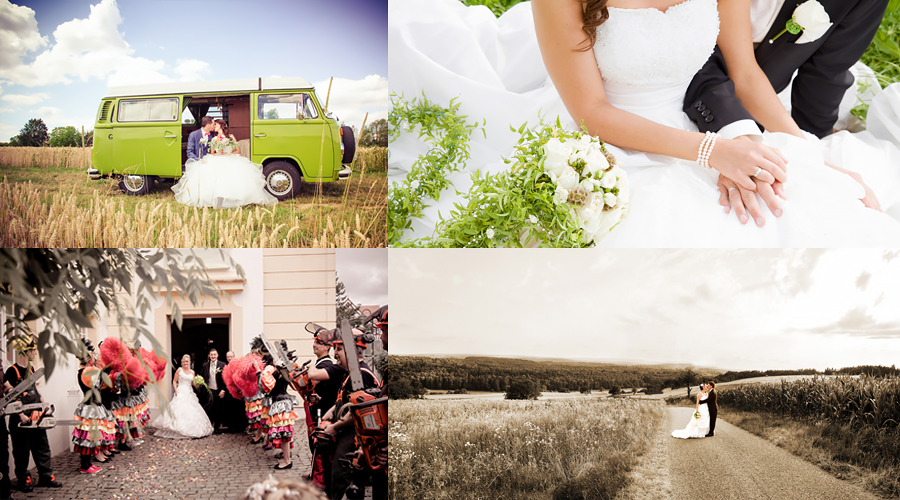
column 222, row 181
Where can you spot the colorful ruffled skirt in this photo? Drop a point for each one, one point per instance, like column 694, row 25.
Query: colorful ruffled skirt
column 281, row 420
column 253, row 408
column 130, row 414
column 96, row 429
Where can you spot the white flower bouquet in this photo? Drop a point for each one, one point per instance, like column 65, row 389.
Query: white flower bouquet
column 222, row 145
column 564, row 189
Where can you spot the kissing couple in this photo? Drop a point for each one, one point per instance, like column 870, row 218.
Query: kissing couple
column 219, row 179
column 703, row 422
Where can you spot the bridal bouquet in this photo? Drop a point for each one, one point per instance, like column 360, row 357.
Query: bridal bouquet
column 564, row 189
column 199, row 382
column 697, row 414
column 223, row 145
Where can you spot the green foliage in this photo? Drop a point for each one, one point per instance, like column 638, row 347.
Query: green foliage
column 375, row 134
column 883, row 54
column 272, row 114
column 517, row 206
column 65, row 137
column 449, row 133
column 402, row 389
column 498, row 7
column 33, row 134
column 523, row 388
column 67, row 288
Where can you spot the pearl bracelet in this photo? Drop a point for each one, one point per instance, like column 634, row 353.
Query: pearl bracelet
column 706, row 147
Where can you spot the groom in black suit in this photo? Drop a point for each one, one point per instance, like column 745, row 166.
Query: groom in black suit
column 712, row 406
column 823, row 68
column 212, row 374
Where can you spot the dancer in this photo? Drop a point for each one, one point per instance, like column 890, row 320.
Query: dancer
column 281, row 415
column 96, row 430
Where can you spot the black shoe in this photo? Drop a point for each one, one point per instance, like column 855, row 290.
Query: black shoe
column 711, row 434
column 49, row 483
column 24, row 486
column 124, row 447
column 288, row 466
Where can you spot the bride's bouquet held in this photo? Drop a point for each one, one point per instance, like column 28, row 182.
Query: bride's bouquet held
column 222, row 145
column 563, row 189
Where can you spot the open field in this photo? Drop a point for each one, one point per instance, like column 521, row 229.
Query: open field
column 46, row 206
column 560, row 449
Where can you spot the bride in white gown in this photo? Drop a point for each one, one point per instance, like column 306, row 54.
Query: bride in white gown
column 646, row 58
column 697, row 427
column 222, row 180
column 185, row 418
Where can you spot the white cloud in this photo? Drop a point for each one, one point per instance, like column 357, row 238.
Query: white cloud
column 8, row 131
column 25, row 100
column 189, row 70
column 352, row 99
column 18, row 34
column 85, row 49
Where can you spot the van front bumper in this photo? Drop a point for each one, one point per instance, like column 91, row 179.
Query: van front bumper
column 93, row 173
column 345, row 172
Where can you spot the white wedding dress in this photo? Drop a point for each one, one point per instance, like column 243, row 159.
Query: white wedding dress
column 647, row 59
column 697, row 427
column 222, row 181
column 185, row 418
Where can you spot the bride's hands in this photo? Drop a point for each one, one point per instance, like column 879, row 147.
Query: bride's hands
column 743, row 200
column 738, row 159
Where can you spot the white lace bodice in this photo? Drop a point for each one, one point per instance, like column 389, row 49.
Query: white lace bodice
column 185, row 379
column 648, row 47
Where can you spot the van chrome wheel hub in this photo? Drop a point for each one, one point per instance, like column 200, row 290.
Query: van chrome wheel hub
column 134, row 182
column 279, row 181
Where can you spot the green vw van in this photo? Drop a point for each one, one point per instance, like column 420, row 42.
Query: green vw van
column 141, row 132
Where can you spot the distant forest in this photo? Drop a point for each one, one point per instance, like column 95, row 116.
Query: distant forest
column 412, row 375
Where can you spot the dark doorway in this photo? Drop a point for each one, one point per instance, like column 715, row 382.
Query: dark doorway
column 196, row 337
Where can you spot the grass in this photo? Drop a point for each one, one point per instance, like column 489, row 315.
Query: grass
column 559, row 449
column 47, row 206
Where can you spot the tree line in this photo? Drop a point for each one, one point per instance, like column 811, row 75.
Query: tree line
column 414, row 375
column 36, row 134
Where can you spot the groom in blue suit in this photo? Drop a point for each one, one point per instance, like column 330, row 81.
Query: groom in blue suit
column 196, row 147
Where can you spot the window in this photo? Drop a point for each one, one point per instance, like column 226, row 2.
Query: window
column 286, row 107
column 148, row 110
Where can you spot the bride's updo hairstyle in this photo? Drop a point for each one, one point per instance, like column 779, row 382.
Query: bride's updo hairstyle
column 186, row 357
column 595, row 14
column 224, row 127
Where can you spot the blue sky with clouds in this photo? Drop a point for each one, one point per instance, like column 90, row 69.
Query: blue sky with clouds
column 60, row 56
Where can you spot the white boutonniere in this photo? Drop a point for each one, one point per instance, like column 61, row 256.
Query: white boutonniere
column 218, row 370
column 204, row 140
column 810, row 18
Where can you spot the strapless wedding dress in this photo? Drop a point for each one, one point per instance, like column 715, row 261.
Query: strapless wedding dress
column 647, row 58
column 185, row 418
column 697, row 427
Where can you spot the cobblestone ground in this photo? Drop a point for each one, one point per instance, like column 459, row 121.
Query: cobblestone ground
column 218, row 467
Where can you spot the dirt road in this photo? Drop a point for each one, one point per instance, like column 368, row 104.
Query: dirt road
column 738, row 465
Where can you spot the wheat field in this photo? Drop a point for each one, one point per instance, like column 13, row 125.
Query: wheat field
column 560, row 449
column 54, row 204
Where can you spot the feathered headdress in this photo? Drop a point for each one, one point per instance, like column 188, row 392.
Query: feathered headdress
column 87, row 354
column 244, row 374
column 257, row 345
column 156, row 363
column 227, row 376
column 135, row 373
column 114, row 354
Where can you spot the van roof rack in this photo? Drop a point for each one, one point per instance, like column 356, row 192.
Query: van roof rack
column 242, row 85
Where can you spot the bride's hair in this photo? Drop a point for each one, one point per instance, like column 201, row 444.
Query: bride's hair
column 224, row 127
column 595, row 14
column 186, row 357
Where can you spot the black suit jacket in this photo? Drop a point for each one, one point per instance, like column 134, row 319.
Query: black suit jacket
column 823, row 66
column 220, row 382
column 711, row 402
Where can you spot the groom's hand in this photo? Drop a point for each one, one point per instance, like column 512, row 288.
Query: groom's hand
column 221, row 394
column 743, row 200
